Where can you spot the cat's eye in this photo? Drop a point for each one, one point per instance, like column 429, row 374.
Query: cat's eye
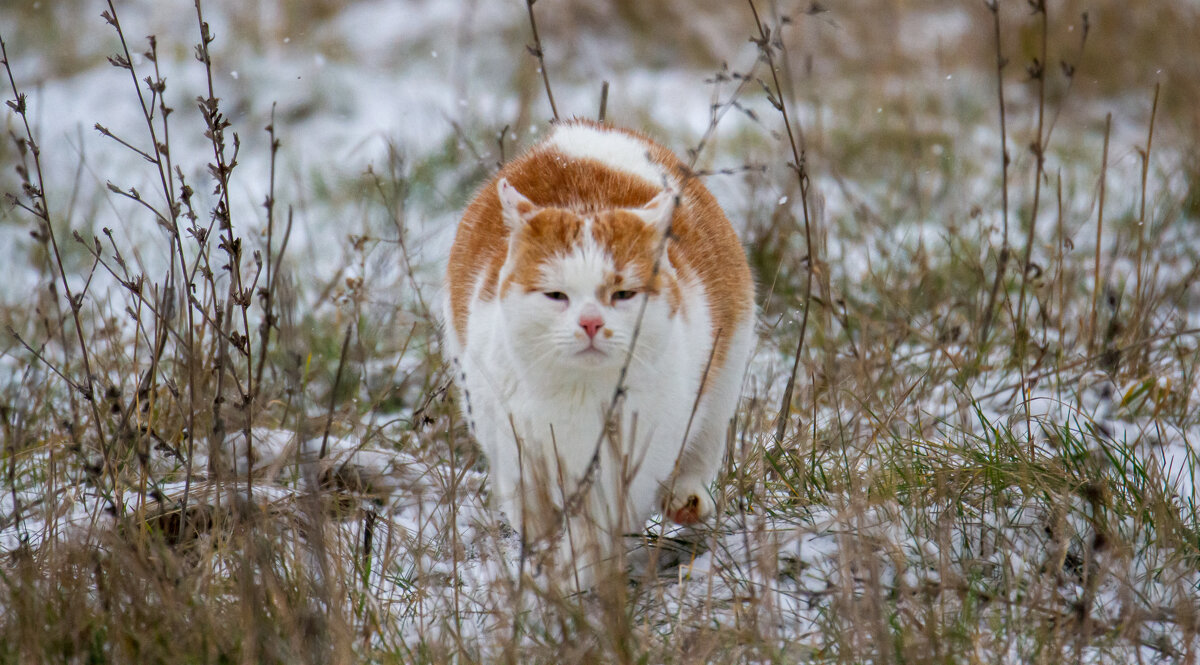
column 624, row 295
column 556, row 295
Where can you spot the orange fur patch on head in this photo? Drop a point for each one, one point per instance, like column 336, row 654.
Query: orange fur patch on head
column 631, row 243
column 703, row 248
column 635, row 248
column 551, row 232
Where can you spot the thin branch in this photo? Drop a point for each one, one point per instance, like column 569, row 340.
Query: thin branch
column 1099, row 236
column 1002, row 261
column 1141, row 254
column 40, row 207
column 45, row 361
column 1037, row 70
column 778, row 100
column 337, row 382
column 536, row 50
column 603, row 101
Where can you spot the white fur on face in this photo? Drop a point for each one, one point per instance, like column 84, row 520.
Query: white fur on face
column 546, row 333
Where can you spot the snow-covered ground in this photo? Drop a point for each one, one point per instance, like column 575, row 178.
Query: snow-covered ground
column 428, row 96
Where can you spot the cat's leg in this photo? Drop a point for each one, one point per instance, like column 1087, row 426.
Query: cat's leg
column 565, row 551
column 686, row 497
column 490, row 423
column 593, row 544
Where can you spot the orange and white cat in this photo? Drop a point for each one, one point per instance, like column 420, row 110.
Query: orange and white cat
column 595, row 241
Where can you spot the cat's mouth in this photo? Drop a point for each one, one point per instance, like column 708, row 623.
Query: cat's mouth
column 592, row 354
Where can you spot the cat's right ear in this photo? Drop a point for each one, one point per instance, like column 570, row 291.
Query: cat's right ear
column 515, row 208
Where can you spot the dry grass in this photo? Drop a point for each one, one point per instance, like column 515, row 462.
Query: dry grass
column 908, row 488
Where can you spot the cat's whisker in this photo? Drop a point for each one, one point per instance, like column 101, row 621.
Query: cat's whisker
column 546, row 354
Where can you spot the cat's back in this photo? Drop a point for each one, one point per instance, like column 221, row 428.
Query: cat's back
column 589, row 167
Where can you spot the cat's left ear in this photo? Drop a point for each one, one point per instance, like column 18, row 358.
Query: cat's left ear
column 515, row 207
column 659, row 211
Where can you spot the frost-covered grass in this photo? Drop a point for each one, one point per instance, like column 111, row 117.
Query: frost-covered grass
column 984, row 457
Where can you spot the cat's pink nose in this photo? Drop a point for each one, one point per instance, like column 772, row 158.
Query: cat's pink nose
column 591, row 324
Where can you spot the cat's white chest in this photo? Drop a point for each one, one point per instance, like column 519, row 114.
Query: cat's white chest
column 526, row 414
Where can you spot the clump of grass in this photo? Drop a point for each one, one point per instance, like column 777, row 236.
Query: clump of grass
column 164, row 356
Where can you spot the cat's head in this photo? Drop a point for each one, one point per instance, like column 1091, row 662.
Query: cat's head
column 573, row 285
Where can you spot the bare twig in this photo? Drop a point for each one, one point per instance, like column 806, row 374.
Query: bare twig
column 603, row 101
column 717, row 111
column 1141, row 251
column 778, row 100
column 392, row 202
column 1068, row 70
column 1091, row 332
column 46, row 361
column 1037, row 71
column 337, row 383
column 178, row 203
column 536, row 50
column 989, row 309
column 267, row 293
column 238, row 296
column 38, row 205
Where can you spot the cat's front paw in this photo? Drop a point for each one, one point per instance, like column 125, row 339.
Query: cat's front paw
column 689, row 504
